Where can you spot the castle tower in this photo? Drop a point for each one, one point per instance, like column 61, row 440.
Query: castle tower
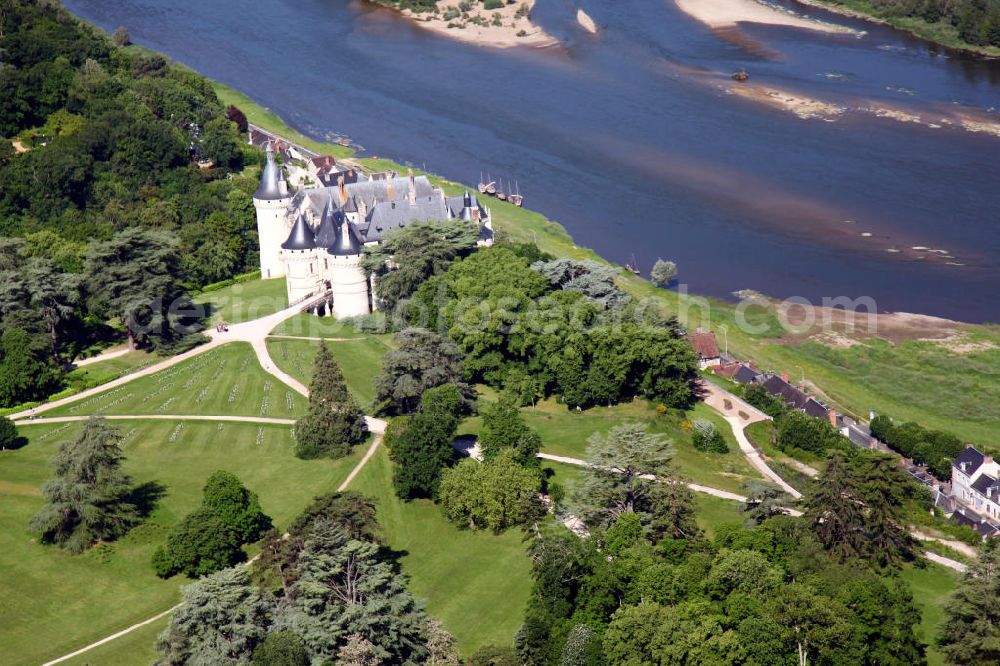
column 347, row 278
column 300, row 260
column 271, row 201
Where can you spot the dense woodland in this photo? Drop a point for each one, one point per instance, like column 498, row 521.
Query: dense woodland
column 977, row 22
column 120, row 190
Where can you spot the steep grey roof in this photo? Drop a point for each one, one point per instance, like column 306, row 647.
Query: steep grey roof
column 301, row 237
column 971, row 456
column 462, row 207
column 270, row 178
column 815, row 409
column 347, row 242
column 745, row 374
column 775, row 385
column 388, row 215
column 326, row 233
column 983, row 482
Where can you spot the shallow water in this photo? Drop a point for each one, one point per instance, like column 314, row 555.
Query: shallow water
column 628, row 140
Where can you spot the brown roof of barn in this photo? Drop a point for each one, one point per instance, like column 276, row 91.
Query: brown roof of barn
column 704, row 343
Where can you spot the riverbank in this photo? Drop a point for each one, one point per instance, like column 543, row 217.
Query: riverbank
column 506, row 26
column 941, row 33
column 721, row 14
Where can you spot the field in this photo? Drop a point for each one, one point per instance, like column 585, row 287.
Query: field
column 360, row 360
column 307, row 325
column 244, row 301
column 476, row 583
column 56, row 602
column 227, row 380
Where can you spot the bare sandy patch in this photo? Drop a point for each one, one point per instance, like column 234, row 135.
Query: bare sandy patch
column 506, row 27
column 587, row 23
column 803, row 107
column 728, row 13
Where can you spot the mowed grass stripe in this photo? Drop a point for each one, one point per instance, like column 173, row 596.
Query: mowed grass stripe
column 225, row 380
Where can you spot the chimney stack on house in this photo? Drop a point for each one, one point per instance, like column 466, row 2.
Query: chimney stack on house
column 832, row 415
column 784, row 377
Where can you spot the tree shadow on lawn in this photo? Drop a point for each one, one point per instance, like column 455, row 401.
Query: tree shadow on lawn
column 146, row 496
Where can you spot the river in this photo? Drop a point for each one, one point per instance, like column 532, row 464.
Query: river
column 630, row 141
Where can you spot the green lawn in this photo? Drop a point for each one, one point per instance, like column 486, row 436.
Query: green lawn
column 55, row 602
column 360, row 360
column 137, row 647
column 99, row 372
column 310, row 326
column 714, row 511
column 244, row 301
column 565, row 432
column 475, row 582
column 931, row 587
column 227, row 380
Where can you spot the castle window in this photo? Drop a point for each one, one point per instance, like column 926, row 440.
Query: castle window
column 310, row 269
column 325, row 264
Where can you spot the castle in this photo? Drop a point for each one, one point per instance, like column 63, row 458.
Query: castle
column 315, row 238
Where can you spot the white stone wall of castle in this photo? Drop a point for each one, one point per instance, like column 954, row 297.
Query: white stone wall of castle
column 303, row 277
column 272, row 230
column 349, row 285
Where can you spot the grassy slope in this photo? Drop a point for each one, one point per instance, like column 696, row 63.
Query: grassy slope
column 475, row 582
column 360, row 360
column 244, row 301
column 201, row 385
column 56, row 602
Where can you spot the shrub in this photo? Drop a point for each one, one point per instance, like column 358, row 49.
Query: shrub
column 706, row 437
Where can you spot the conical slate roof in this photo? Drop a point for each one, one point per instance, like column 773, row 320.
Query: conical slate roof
column 347, row 241
column 326, row 233
column 270, row 178
column 301, row 237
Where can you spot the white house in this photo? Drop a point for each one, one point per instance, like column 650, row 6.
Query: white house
column 974, row 482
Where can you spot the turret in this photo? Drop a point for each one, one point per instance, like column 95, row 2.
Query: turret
column 300, row 260
column 347, row 278
column 271, row 203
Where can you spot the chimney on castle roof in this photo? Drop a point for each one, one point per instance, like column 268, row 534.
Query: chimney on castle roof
column 413, row 188
column 343, row 190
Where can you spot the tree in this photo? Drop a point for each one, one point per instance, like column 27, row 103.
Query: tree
column 764, row 500
column 593, row 279
column 613, row 482
column 333, row 422
column 408, row 256
column 89, row 498
column 662, row 272
column 504, row 427
column 351, row 511
column 803, row 432
column 706, row 437
column 494, row 494
column 8, row 434
column 121, row 36
column 345, row 589
column 222, row 618
column 971, row 630
column 757, row 395
column 441, row 645
column 856, row 509
column 281, row 648
column 423, row 448
column 220, row 144
column 200, row 544
column 26, row 370
column 136, row 277
column 421, row 360
column 226, row 496
column 211, row 537
column 54, row 295
column 358, row 651
column 583, row 648
column 689, row 633
column 811, row 625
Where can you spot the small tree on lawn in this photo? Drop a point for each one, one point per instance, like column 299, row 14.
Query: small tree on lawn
column 505, row 428
column 662, row 272
column 89, row 498
column 764, row 500
column 495, row 494
column 706, row 437
column 333, row 423
column 8, row 434
column 426, row 445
